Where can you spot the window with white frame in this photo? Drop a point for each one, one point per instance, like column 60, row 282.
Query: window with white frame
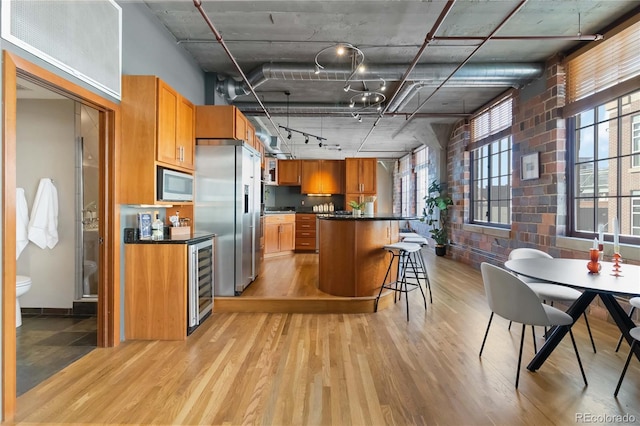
column 635, row 141
column 635, row 213
column 404, row 170
column 422, row 176
column 491, row 164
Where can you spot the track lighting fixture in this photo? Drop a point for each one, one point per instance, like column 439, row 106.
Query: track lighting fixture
column 365, row 99
column 306, row 135
column 320, row 144
column 347, row 87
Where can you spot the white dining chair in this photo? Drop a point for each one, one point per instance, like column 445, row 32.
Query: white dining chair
column 511, row 298
column 549, row 292
column 635, row 334
column 635, row 304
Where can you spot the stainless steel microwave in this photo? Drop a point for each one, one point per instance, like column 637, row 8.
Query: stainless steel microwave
column 174, row 186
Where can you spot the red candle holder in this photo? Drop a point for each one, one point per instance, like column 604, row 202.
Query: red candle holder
column 616, row 265
column 594, row 264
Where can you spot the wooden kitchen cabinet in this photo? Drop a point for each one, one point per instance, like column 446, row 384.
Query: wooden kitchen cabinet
column 360, row 175
column 305, row 232
column 157, row 130
column 221, row 122
column 175, row 145
column 279, row 234
column 155, row 304
column 322, row 176
column 289, row 172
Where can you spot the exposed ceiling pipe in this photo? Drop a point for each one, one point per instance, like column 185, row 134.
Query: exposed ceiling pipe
column 198, row 5
column 472, row 75
column 406, row 93
column 577, row 37
column 443, row 14
column 498, row 28
column 306, row 109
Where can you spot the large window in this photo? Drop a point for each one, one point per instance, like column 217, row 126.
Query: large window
column 491, row 165
column 635, row 141
column 422, row 175
column 606, row 171
column 635, row 213
column 405, row 184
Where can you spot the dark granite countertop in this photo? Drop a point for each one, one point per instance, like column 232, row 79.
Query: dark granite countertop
column 377, row 216
column 193, row 238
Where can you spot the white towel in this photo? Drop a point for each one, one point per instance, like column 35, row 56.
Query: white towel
column 43, row 226
column 22, row 221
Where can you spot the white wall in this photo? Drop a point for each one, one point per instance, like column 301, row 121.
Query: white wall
column 46, row 148
column 384, row 186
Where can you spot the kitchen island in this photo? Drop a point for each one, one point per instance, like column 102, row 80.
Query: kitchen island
column 352, row 262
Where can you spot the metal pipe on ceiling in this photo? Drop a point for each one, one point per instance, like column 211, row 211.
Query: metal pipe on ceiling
column 462, row 64
column 198, row 5
column 436, row 26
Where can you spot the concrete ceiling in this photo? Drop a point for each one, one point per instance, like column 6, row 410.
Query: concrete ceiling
column 275, row 44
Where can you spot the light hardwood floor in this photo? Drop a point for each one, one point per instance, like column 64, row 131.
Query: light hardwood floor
column 343, row 369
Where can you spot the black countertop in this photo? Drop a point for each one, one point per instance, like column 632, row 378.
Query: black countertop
column 377, row 216
column 193, row 238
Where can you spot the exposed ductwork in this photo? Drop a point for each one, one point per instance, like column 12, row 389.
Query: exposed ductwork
column 471, row 75
column 272, row 144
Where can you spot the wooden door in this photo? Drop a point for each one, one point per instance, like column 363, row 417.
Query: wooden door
column 185, row 138
column 240, row 126
column 352, row 175
column 332, row 176
column 166, row 150
column 288, row 172
column 287, row 236
column 311, row 178
column 271, row 238
column 368, row 175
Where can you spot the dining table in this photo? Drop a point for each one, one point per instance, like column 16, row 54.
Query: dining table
column 574, row 273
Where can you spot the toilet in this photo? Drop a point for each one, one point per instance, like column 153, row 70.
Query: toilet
column 89, row 268
column 23, row 285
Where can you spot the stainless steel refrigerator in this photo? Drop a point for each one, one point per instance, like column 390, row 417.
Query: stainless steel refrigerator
column 227, row 202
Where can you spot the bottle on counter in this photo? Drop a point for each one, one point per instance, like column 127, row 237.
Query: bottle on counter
column 157, row 227
column 331, row 208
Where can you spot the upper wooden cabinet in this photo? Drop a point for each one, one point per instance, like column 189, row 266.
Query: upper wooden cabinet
column 222, row 122
column 157, row 129
column 289, row 172
column 175, row 143
column 322, row 176
column 360, row 175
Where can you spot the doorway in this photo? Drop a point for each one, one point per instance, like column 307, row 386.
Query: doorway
column 57, row 150
column 108, row 317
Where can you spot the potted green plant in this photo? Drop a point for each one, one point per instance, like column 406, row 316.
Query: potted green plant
column 435, row 215
column 357, row 207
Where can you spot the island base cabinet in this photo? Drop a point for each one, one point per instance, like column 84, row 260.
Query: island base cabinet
column 155, row 292
column 352, row 260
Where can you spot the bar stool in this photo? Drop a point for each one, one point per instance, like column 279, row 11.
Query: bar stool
column 635, row 333
column 635, row 303
column 422, row 266
column 406, row 254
